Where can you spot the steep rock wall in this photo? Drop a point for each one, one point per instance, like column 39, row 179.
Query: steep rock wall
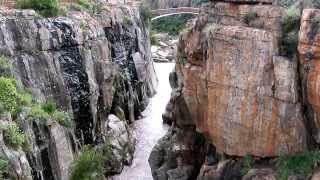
column 91, row 66
column 240, row 92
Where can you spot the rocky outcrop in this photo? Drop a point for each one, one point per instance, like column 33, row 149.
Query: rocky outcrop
column 91, row 66
column 309, row 54
column 234, row 84
column 240, row 92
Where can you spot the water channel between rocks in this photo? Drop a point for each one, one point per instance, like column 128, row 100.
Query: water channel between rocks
column 149, row 129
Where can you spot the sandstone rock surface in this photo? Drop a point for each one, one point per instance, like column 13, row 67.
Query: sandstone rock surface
column 309, row 52
column 240, row 93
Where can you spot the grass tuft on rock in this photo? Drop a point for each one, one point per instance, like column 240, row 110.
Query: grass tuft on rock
column 88, row 165
column 246, row 164
column 13, row 136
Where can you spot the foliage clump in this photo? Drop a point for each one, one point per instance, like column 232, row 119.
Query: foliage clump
column 4, row 164
column 43, row 112
column 62, row 118
column 127, row 21
column 13, row 136
column 8, row 94
column 250, row 16
column 46, row 8
column 301, row 164
column 172, row 25
column 247, row 164
column 90, row 164
column 5, row 67
column 145, row 12
column 291, row 26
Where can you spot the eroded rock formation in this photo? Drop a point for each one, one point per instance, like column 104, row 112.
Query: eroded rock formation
column 236, row 84
column 91, row 66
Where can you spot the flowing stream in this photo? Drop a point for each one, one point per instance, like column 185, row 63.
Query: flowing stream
column 149, row 129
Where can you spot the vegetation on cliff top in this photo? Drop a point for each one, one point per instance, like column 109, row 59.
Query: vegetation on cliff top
column 46, row 8
column 291, row 26
column 172, row 25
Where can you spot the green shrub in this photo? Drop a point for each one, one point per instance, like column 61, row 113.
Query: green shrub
column 247, row 163
column 145, row 12
column 85, row 4
column 25, row 98
column 46, row 8
column 301, row 164
column 4, row 165
column 49, row 107
column 13, row 137
column 291, row 26
column 38, row 114
column 5, row 67
column 8, row 94
column 250, row 16
column 62, row 118
column 88, row 166
column 127, row 21
column 172, row 25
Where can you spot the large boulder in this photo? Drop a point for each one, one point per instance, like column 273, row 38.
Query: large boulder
column 241, row 94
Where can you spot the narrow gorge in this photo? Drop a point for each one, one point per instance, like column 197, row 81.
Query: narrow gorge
column 159, row 89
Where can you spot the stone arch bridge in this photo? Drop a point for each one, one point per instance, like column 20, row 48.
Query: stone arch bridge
column 159, row 13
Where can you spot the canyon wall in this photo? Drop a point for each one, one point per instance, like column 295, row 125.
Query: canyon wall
column 91, row 66
column 240, row 83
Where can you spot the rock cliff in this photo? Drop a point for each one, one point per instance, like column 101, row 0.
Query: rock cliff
column 245, row 87
column 91, row 66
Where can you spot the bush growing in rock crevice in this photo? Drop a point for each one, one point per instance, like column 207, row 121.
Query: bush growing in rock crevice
column 13, row 136
column 290, row 26
column 250, row 16
column 145, row 12
column 301, row 164
column 90, row 163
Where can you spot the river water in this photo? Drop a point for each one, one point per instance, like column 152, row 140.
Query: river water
column 149, row 129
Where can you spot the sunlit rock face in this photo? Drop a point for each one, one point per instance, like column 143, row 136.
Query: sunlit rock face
column 241, row 94
column 90, row 67
column 309, row 51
